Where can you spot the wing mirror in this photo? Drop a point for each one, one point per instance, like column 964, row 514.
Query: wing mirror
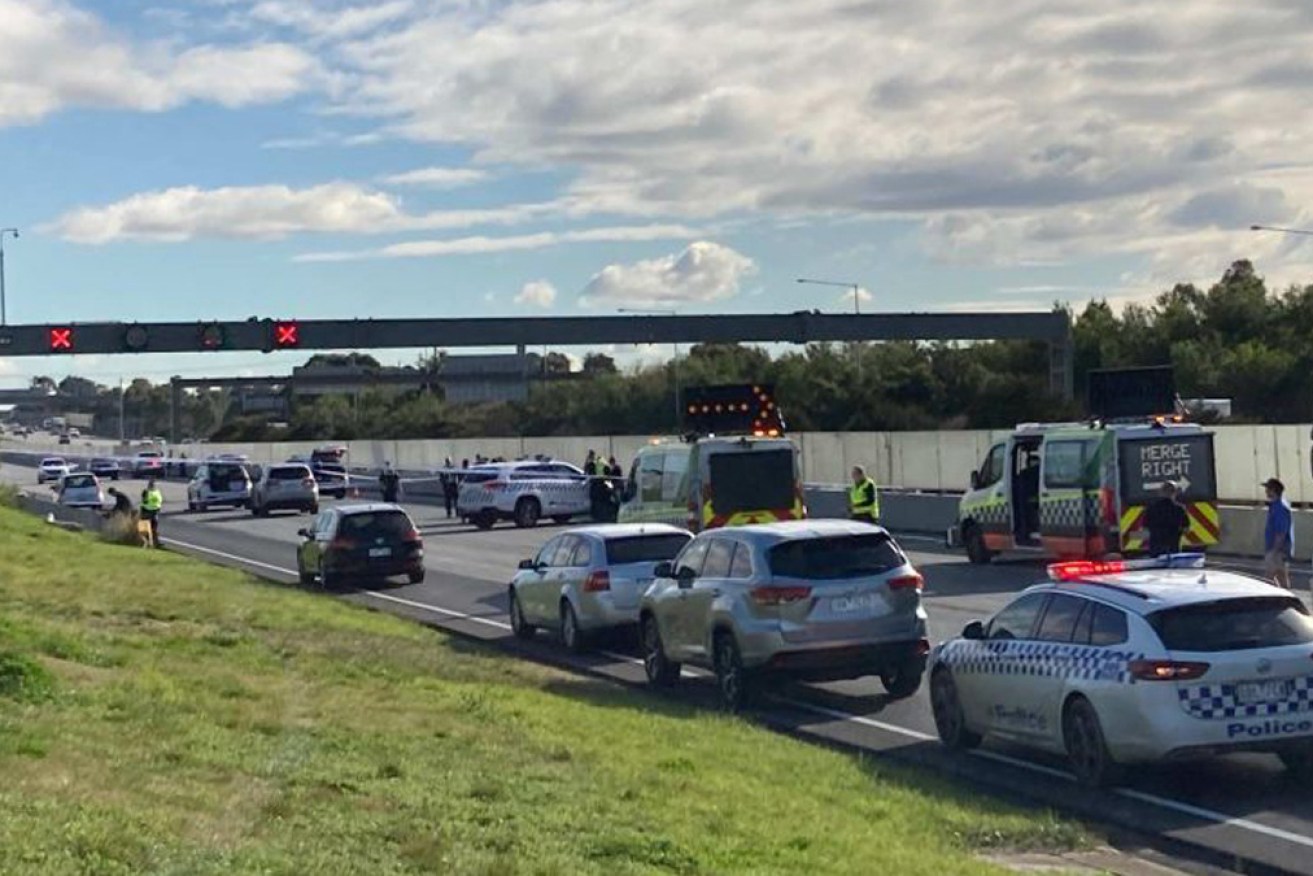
column 305, row 533
column 685, row 577
column 975, row 480
column 528, row 565
column 974, row 630
column 663, row 570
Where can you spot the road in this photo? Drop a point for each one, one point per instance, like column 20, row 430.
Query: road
column 1242, row 806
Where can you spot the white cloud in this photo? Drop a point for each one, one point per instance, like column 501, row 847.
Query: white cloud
column 317, row 21
column 56, row 56
column 321, row 139
column 512, row 243
column 267, row 212
column 703, row 272
column 538, row 293
column 437, row 177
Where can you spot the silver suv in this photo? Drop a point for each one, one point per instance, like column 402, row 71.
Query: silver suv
column 816, row 599
column 289, row 487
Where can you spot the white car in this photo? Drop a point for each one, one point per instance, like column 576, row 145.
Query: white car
column 52, row 468
column 524, row 492
column 80, row 490
column 1119, row 663
column 148, row 464
column 590, row 579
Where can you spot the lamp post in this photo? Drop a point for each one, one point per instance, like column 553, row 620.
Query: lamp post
column 673, row 362
column 4, row 318
column 1280, row 230
column 857, row 300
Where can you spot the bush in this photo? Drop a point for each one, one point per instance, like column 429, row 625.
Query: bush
column 23, row 679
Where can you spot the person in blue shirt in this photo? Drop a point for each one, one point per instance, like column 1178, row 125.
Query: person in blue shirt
column 1279, row 534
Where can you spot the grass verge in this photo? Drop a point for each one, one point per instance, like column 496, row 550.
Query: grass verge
column 161, row 715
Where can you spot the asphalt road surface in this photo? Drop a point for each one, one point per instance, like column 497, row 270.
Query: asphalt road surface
column 1242, row 806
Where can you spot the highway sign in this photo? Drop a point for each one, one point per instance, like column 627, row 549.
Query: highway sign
column 1147, row 462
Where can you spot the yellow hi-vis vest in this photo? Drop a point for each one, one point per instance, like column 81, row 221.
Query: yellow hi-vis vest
column 152, row 501
column 860, row 504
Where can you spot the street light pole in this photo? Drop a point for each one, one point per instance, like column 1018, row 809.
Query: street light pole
column 674, row 363
column 857, row 290
column 1280, row 230
column 4, row 317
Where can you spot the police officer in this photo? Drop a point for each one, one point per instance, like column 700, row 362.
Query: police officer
column 389, row 483
column 863, row 500
column 1167, row 521
column 152, row 502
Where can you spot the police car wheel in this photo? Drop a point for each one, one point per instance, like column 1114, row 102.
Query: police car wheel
column 522, row 628
column 571, row 636
column 1299, row 762
column 975, row 545
column 660, row 671
column 483, row 521
column 732, row 680
column 1087, row 750
column 527, row 512
column 947, row 708
column 561, row 519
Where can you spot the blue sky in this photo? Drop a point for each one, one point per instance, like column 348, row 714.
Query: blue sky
column 218, row 159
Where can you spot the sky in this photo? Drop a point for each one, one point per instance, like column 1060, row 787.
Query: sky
column 218, row 159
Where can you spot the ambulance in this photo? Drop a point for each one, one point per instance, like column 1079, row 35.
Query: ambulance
column 733, row 467
column 1082, row 489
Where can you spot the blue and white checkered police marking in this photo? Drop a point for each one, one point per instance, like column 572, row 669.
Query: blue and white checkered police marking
column 1041, row 659
column 1219, row 700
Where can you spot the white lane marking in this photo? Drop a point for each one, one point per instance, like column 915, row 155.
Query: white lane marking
column 1143, row 797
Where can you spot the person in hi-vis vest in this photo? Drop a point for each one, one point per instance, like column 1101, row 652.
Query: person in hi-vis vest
column 863, row 499
column 152, row 502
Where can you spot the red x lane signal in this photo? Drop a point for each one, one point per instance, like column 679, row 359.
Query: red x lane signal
column 61, row 339
column 287, row 334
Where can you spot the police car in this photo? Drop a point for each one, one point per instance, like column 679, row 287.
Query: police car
column 1120, row 662
column 523, row 492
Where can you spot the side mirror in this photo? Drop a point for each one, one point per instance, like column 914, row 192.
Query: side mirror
column 974, row 630
column 975, row 480
column 663, row 570
column 305, row 533
column 685, row 576
column 527, row 565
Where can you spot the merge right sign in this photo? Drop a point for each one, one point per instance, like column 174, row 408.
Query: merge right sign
column 1147, row 462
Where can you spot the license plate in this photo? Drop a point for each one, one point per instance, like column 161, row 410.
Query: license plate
column 848, row 604
column 380, row 552
column 1248, row 692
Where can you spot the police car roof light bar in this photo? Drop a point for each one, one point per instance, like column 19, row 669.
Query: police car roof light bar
column 1077, row 570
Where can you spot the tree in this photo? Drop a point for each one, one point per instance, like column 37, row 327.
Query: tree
column 598, row 363
column 556, row 363
column 44, row 384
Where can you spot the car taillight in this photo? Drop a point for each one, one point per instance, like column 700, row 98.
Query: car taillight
column 307, row 482
column 342, row 544
column 412, row 535
column 907, row 582
column 922, row 647
column 1166, row 670
column 597, row 582
column 768, row 596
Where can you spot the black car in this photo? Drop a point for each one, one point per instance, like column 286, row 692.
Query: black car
column 102, row 467
column 359, row 542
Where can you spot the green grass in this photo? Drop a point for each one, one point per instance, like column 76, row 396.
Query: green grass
column 160, row 715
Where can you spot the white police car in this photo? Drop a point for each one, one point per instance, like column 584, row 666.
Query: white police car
column 1115, row 663
column 523, row 492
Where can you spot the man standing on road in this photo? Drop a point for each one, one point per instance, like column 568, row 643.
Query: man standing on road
column 1279, row 534
column 863, row 499
column 389, row 483
column 1167, row 521
column 152, row 502
column 450, row 487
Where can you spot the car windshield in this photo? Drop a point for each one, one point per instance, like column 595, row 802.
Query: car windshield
column 481, row 475
column 644, row 548
column 330, row 467
column 1234, row 624
column 389, row 525
column 53, row 461
column 752, row 480
column 226, row 470
column 150, row 454
column 288, row 473
column 102, row 462
column 836, row 556
column 79, row 482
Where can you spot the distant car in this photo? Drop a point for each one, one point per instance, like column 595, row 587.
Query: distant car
column 523, row 492
column 74, row 432
column 290, row 486
column 218, row 483
column 816, row 599
column 590, row 579
column 64, row 439
column 1117, row 663
column 332, row 478
column 360, row 542
column 80, row 490
column 148, row 464
column 52, row 468
column 104, row 467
